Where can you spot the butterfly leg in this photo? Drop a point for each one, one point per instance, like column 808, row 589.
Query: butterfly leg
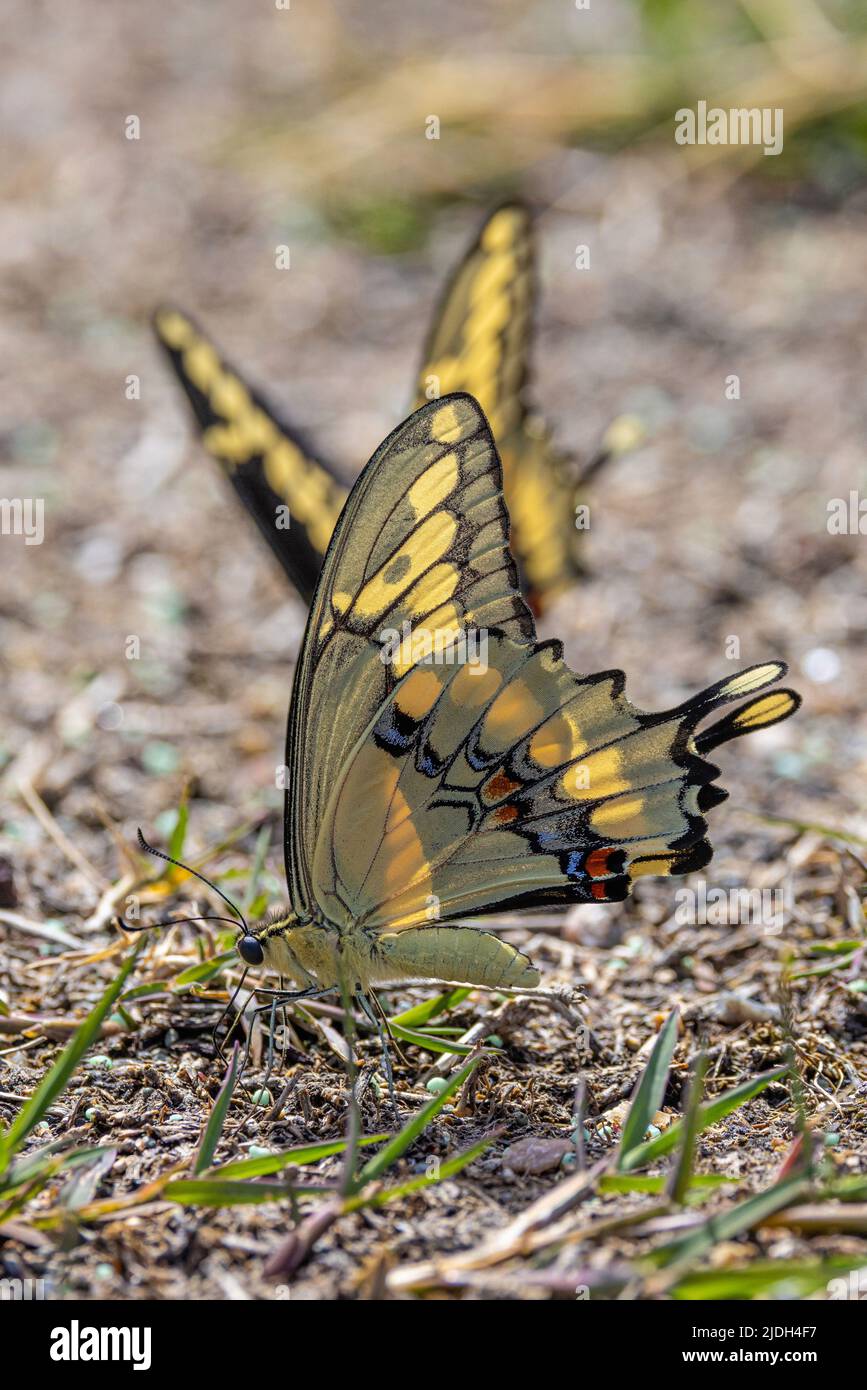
column 373, row 1016
column 280, row 999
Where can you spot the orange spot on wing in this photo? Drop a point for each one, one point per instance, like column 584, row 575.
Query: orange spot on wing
column 597, row 862
column 499, row 786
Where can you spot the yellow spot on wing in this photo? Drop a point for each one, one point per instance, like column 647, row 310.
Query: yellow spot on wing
column 765, row 711
column 433, row 589
column 434, row 485
column 201, row 365
column 493, row 276
column 421, row 550
column 442, row 627
column 488, row 319
column 598, row 775
column 453, row 422
column 748, row 681
column 229, row 396
column 472, row 686
column 555, row 742
column 621, row 817
column 282, row 463
column 512, row 714
column 174, row 329
column 418, row 693
column 502, row 230
column 643, row 867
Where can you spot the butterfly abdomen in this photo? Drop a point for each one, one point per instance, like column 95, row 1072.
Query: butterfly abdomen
column 461, row 954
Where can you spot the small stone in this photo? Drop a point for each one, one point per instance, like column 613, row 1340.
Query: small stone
column 535, row 1155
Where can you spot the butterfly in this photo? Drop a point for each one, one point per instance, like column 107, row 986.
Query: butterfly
column 422, row 789
column 478, row 342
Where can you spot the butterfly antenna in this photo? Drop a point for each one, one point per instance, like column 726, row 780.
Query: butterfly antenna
column 169, row 860
column 171, row 922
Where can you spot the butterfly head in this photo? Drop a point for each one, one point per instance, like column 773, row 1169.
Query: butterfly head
column 274, row 943
column 250, row 948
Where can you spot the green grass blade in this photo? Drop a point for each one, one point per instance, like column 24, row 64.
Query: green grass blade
column 682, row 1171
column 214, row 1127
column 650, row 1089
column 47, row 1160
column 179, row 833
column 423, row 1013
column 222, row 1192
column 152, row 990
column 643, row 1182
column 845, row 946
column 764, row 1279
column 398, row 1146
column 429, row 1041
column 54, row 1083
column 263, row 840
column 275, row 1163
column 446, row 1170
column 205, row 970
column 726, row 1225
column 708, row 1114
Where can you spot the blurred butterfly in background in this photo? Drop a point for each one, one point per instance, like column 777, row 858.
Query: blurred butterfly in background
column 423, row 791
column 479, row 342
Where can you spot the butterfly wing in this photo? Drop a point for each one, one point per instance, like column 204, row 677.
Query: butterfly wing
column 479, row 342
column 423, row 541
column 269, row 466
column 439, row 789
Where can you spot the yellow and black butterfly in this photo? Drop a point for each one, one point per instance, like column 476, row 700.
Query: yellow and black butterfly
column 479, row 343
column 422, row 790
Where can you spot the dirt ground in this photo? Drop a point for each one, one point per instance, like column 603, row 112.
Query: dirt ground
column 717, row 528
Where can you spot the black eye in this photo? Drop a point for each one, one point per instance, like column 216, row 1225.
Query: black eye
column 250, row 950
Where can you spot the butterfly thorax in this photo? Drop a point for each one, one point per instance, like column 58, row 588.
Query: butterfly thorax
column 315, row 951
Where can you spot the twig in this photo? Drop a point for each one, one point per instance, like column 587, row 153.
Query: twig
column 64, row 844
column 44, row 929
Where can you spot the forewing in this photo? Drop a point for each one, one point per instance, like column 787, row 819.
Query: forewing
column 294, row 497
column 422, row 541
column 480, row 342
column 480, row 335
